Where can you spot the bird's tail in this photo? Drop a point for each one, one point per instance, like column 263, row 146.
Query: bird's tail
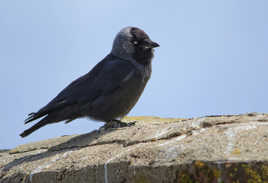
column 33, row 116
column 38, row 125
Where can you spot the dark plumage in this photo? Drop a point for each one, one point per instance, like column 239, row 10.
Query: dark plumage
column 109, row 90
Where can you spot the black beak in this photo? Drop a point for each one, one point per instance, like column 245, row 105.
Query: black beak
column 154, row 44
column 150, row 44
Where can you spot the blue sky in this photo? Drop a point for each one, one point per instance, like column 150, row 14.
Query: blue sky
column 212, row 58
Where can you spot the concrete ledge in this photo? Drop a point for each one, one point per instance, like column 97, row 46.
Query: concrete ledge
column 230, row 148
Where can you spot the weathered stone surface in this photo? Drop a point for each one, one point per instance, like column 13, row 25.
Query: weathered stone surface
column 231, row 148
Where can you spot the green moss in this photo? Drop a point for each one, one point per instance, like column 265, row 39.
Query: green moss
column 141, row 179
column 202, row 172
column 265, row 173
column 253, row 176
column 184, row 177
column 216, row 173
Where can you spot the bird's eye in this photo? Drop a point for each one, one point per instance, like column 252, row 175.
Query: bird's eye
column 135, row 42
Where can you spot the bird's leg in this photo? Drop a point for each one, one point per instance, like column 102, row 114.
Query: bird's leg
column 117, row 124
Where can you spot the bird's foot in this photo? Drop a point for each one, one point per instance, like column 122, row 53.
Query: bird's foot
column 117, row 124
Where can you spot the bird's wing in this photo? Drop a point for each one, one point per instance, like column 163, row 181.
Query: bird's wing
column 104, row 78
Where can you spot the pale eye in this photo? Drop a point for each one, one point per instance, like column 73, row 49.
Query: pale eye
column 135, row 42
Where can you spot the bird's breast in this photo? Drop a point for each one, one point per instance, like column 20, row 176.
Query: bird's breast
column 124, row 98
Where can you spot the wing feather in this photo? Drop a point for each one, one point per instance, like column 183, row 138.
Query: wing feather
column 103, row 79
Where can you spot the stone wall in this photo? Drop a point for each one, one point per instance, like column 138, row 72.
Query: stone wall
column 230, row 148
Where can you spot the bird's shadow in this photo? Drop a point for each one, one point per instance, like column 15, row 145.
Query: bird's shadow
column 76, row 143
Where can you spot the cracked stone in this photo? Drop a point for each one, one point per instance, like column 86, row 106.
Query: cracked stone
column 206, row 149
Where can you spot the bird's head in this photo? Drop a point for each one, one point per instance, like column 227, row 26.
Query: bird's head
column 132, row 43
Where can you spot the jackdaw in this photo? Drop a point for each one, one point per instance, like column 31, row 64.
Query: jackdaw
column 107, row 92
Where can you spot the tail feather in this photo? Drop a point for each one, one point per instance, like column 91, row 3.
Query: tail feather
column 30, row 118
column 35, row 127
column 33, row 116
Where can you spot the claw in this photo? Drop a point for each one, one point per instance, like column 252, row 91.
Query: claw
column 117, row 124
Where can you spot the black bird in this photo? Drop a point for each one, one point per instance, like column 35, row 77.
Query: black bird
column 110, row 90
